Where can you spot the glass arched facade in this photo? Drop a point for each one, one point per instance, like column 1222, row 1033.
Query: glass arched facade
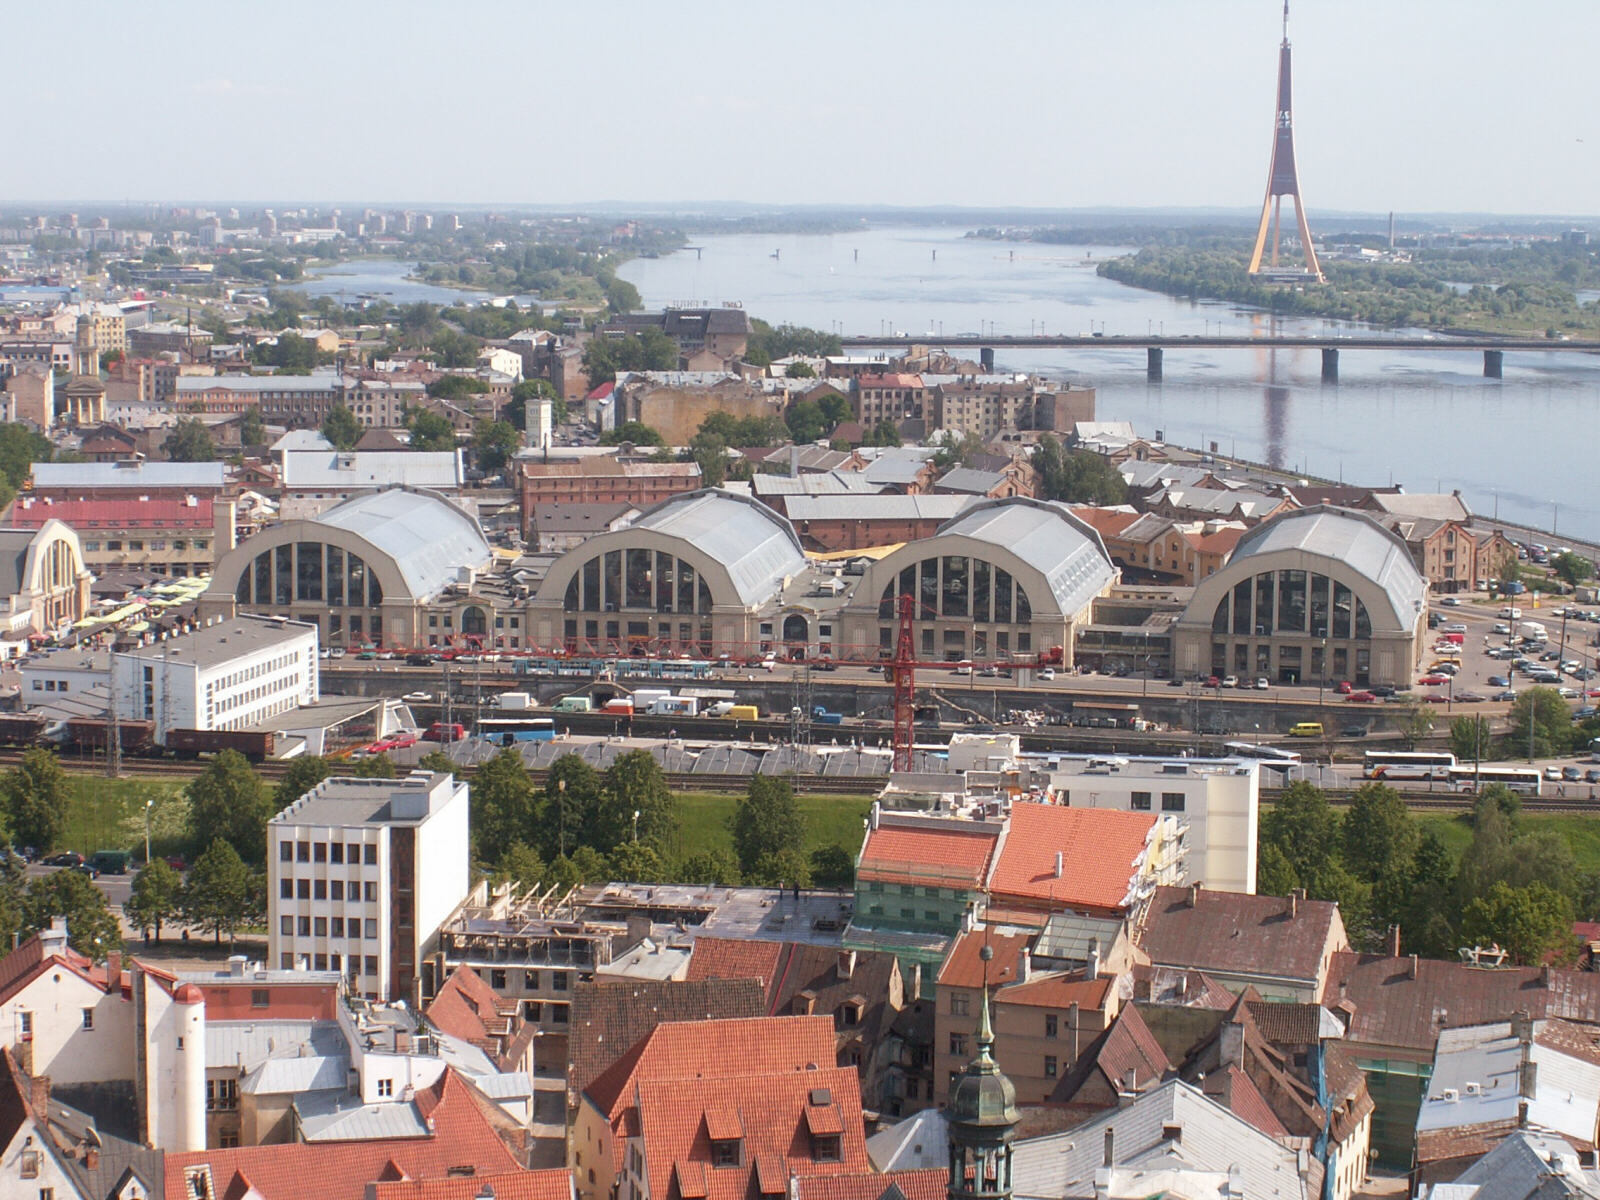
column 622, row 600
column 341, row 590
column 982, row 599
column 1292, row 626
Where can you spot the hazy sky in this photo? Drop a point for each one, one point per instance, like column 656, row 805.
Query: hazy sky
column 1412, row 105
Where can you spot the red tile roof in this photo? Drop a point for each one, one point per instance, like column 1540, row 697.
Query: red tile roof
column 1102, row 851
column 936, row 853
column 963, row 966
column 1238, row 934
column 1058, row 991
column 462, row 1137
column 28, row 961
column 1245, row 1100
column 775, row 1110
column 736, row 958
column 468, row 1008
column 930, row 1184
column 555, row 1184
column 1129, row 1048
column 123, row 513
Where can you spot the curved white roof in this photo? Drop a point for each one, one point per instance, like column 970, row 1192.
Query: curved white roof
column 1046, row 536
column 429, row 538
column 757, row 546
column 1349, row 537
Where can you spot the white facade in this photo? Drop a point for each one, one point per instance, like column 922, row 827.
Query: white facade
column 172, row 1073
column 28, row 1166
column 361, row 874
column 66, row 1026
column 228, row 674
column 503, row 361
column 1216, row 801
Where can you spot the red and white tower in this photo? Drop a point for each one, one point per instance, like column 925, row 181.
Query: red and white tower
column 1283, row 180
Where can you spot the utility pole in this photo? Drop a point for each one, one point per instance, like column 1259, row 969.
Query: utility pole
column 113, row 728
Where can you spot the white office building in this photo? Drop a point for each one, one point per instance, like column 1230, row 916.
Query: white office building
column 1216, row 802
column 361, row 875
column 229, row 673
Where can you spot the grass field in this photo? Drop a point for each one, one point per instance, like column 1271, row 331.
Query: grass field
column 1582, row 833
column 830, row 820
column 107, row 814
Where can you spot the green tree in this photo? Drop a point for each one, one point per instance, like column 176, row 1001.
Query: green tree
column 1544, row 856
column 221, row 897
column 1305, row 830
column 373, row 766
column 804, row 418
column 710, row 867
column 1275, row 875
column 503, row 807
column 637, row 862
column 884, row 433
column 1380, row 838
column 633, row 432
column 766, row 821
column 92, row 929
column 495, row 442
column 800, row 370
column 189, row 441
column 228, row 800
column 341, row 427
column 36, row 795
column 1413, row 721
column 1527, row 923
column 634, row 783
column 457, row 387
column 20, row 448
column 786, row 868
column 289, row 353
column 300, row 775
column 571, row 796
column 1551, row 721
column 832, row 867
column 1572, row 569
column 710, row 453
column 1426, row 909
column 437, row 761
column 519, row 865
column 1487, row 858
column 252, row 432
column 956, row 451
column 430, row 431
column 1076, row 476
column 157, row 897
column 1470, row 739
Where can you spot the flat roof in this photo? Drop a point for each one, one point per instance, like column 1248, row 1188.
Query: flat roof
column 348, row 801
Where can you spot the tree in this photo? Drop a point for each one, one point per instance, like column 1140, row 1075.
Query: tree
column 457, row 387
column 635, row 433
column 228, row 800
column 1487, row 858
column 710, row 867
column 220, row 895
column 1551, row 724
column 35, row 793
column 804, row 418
column 1076, row 476
column 1527, row 923
column 1305, row 829
column 634, row 783
column 157, row 897
column 1572, row 569
column 437, row 761
column 710, row 454
column 299, row 777
column 252, row 432
column 290, row 352
column 766, row 821
column 189, row 441
column 520, row 866
column 956, row 451
column 374, row 766
column 649, row 350
column 495, row 442
column 800, row 370
column 786, row 868
column 1380, row 838
column 503, row 809
column 1470, row 738
column 92, row 928
column 1275, row 875
column 20, row 448
column 832, row 867
column 884, row 433
column 1413, row 721
column 430, row 431
column 571, row 795
column 637, row 862
column 341, row 427
column 1426, row 908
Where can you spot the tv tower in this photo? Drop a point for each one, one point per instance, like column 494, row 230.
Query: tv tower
column 1283, row 180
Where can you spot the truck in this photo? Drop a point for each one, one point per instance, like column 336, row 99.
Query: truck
column 618, row 706
column 822, row 716
column 717, row 708
column 515, row 702
column 644, row 699
column 440, row 732
column 674, row 706
column 1533, row 631
column 572, row 704
column 743, row 712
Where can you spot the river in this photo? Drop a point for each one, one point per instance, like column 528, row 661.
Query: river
column 1518, row 447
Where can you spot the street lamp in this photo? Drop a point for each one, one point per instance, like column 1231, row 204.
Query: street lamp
column 148, row 805
column 636, row 824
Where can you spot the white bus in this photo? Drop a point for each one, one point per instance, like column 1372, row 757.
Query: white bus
column 1254, row 750
column 1525, row 781
column 1407, row 764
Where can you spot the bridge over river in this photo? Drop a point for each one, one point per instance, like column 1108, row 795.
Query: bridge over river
column 1493, row 349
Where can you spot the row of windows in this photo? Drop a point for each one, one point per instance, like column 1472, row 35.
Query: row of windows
column 309, row 571
column 530, row 980
column 1170, row 802
column 328, row 889
column 1292, row 602
column 906, row 889
column 357, row 964
column 177, row 544
column 637, row 579
column 290, row 926
column 957, row 586
column 305, row 851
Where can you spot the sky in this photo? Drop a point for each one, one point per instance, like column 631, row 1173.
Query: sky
column 1405, row 105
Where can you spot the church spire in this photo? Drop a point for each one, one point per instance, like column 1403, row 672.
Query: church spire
column 982, row 1116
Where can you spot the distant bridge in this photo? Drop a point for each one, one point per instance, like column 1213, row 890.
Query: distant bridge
column 1493, row 349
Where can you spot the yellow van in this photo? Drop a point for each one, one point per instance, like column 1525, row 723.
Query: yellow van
column 1310, row 729
column 743, row 712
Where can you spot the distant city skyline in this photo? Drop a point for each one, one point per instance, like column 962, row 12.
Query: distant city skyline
column 1437, row 106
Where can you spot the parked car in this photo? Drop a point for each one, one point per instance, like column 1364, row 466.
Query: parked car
column 1450, row 601
column 1362, row 698
column 1468, row 698
column 1499, row 681
column 1352, row 731
column 1213, row 682
column 1343, row 687
column 1434, row 680
column 1571, row 774
column 1047, row 673
column 1508, row 694
column 1262, row 683
column 64, row 858
column 1230, row 681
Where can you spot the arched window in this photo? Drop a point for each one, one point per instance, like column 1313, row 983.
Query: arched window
column 795, row 628
column 570, row 601
column 473, row 620
column 1024, row 608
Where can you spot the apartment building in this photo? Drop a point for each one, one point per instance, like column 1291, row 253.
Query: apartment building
column 361, row 873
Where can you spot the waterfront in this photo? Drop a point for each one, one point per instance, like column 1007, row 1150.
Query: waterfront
column 385, row 278
column 1517, row 446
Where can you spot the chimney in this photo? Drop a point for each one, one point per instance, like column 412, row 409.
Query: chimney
column 1060, row 860
column 1411, row 967
column 847, row 964
column 794, row 460
column 113, row 968
column 1024, row 965
column 1094, row 958
column 1394, row 941
column 1072, row 1020
column 1295, row 896
column 1231, row 1046
column 54, row 939
column 236, row 965
column 1110, row 1158
column 39, row 1095
column 873, row 814
column 1194, row 894
column 91, row 1157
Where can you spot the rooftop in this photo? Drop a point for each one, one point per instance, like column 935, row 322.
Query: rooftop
column 132, row 473
column 345, row 802
column 430, row 539
column 1101, row 852
column 1065, row 549
column 1231, row 933
column 337, row 469
column 928, row 850
column 757, row 546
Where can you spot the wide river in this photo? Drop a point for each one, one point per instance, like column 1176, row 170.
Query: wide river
column 1521, row 447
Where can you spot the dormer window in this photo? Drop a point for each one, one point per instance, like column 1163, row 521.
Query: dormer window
column 726, row 1152
column 825, row 1147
